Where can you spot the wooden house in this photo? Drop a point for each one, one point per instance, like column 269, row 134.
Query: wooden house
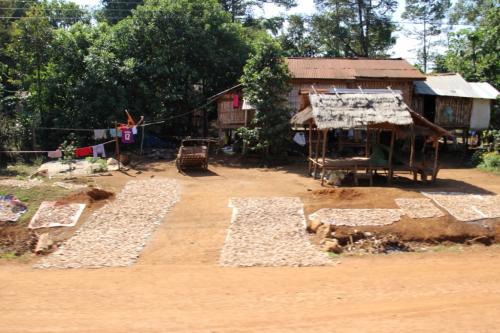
column 450, row 101
column 323, row 74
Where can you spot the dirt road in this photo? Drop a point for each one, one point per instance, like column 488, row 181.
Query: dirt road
column 178, row 287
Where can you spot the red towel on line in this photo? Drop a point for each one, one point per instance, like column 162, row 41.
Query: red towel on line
column 236, row 101
column 82, row 152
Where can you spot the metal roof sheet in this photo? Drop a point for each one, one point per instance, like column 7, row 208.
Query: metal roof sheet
column 484, row 90
column 351, row 69
column 454, row 85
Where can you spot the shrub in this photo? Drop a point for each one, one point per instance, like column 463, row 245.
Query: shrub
column 490, row 162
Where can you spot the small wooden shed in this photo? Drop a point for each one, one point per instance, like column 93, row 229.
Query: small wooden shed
column 450, row 101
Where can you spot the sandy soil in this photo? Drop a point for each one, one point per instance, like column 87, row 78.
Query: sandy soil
column 178, row 287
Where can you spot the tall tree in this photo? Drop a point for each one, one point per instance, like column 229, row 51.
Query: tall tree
column 475, row 53
column 297, row 40
column 31, row 46
column 427, row 18
column 116, row 10
column 361, row 28
column 265, row 85
column 240, row 9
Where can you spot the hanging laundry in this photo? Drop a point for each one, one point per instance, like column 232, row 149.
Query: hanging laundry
column 113, row 133
column 127, row 136
column 100, row 134
column 236, row 101
column 300, row 139
column 55, row 154
column 82, row 152
column 134, row 130
column 98, row 150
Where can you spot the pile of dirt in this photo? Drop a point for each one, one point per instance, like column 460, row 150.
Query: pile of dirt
column 89, row 196
column 339, row 194
column 404, row 236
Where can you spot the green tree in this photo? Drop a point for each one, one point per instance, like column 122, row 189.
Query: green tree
column 266, row 83
column 116, row 10
column 297, row 40
column 31, row 46
column 241, row 9
column 427, row 18
column 361, row 28
column 474, row 53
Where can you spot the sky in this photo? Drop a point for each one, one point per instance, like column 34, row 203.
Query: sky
column 404, row 47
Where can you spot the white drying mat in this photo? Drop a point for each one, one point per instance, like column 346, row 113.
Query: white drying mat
column 357, row 217
column 467, row 207
column 420, row 208
column 55, row 214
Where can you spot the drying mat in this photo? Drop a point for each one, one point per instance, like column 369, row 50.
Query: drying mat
column 269, row 232
column 54, row 214
column 421, row 208
column 357, row 217
column 467, row 207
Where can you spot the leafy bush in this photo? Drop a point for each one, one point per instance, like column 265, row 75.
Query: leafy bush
column 490, row 162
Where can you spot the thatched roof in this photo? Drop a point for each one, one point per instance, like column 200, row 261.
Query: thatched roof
column 302, row 117
column 358, row 110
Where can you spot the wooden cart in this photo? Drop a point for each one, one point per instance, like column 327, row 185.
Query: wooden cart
column 193, row 153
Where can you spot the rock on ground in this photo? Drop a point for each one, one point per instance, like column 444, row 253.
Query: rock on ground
column 269, row 232
column 116, row 234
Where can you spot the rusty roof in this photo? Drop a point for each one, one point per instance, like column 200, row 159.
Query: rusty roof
column 352, row 69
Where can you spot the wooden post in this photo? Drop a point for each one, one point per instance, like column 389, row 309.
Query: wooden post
column 117, row 147
column 436, row 156
column 142, row 137
column 325, row 132
column 367, row 147
column 391, row 152
column 412, row 147
column 316, row 152
column 310, row 146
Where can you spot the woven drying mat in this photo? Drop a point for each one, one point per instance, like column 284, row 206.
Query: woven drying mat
column 357, row 217
column 420, row 208
column 55, row 214
column 269, row 231
column 467, row 207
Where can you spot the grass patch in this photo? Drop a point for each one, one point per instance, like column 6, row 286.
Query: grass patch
column 33, row 197
column 8, row 256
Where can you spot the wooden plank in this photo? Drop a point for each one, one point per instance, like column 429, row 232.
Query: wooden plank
column 391, row 153
column 325, row 133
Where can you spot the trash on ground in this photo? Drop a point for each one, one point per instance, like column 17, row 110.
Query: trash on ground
column 11, row 208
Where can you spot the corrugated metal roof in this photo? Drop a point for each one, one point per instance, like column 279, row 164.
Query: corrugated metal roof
column 484, row 90
column 454, row 85
column 351, row 69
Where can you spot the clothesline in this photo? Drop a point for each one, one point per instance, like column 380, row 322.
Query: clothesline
column 40, row 151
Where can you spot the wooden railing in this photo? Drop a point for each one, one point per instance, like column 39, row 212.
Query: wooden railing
column 234, row 117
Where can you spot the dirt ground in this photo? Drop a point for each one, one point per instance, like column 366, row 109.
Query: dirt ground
column 178, row 287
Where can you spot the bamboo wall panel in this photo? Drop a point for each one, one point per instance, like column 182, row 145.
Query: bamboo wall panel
column 453, row 112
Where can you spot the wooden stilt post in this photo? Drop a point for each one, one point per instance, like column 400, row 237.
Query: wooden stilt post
column 316, row 156
column 367, row 146
column 310, row 147
column 325, row 132
column 391, row 153
column 413, row 172
column 436, row 157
